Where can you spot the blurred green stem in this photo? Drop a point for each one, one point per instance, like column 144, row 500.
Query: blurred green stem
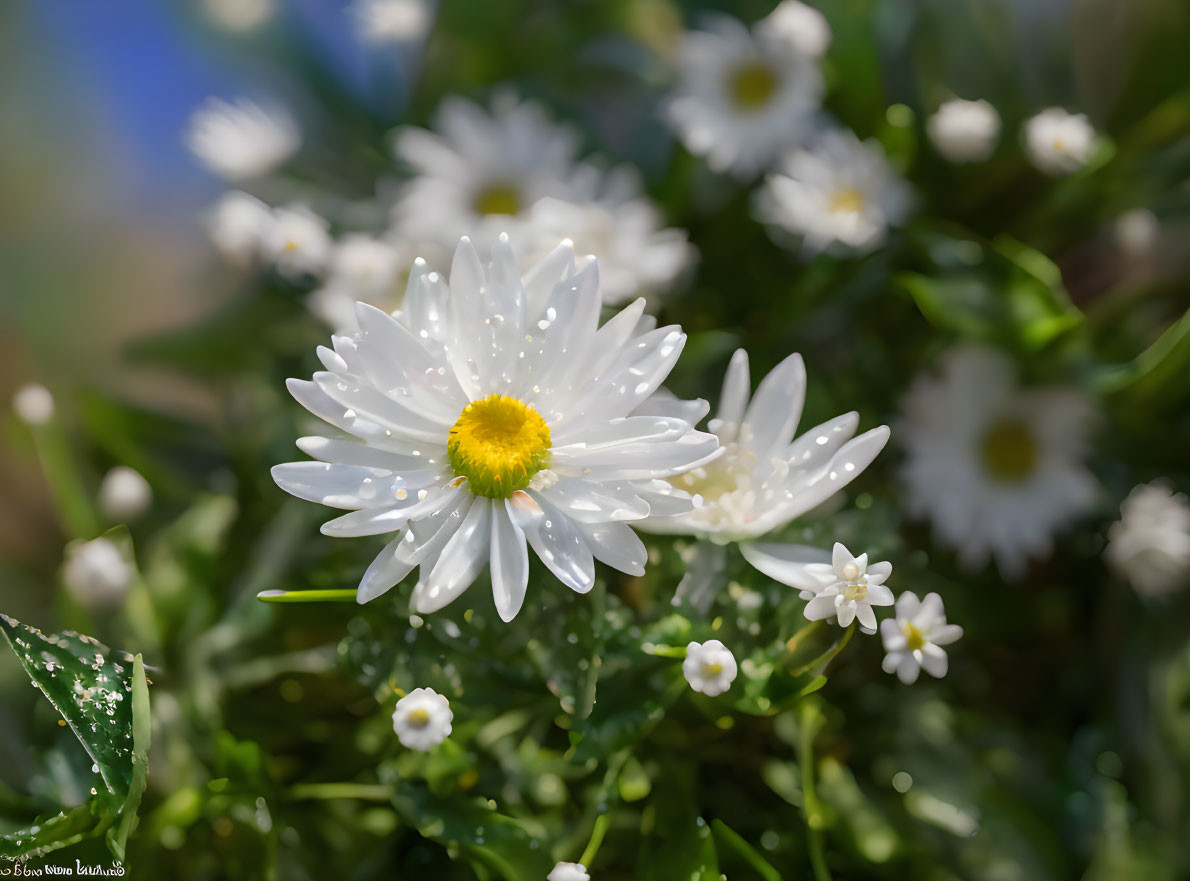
column 809, row 723
column 796, row 640
column 596, row 839
column 345, row 595
column 71, row 499
column 741, row 846
column 827, row 655
column 358, row 791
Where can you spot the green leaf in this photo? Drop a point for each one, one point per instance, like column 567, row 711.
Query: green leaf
column 679, row 843
column 56, row 831
column 142, row 731
column 1161, row 366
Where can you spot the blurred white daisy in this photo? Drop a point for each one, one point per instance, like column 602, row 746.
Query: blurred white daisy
column 380, row 22
column 239, row 226
column 839, row 585
column 744, row 95
column 241, row 140
column 124, row 494
column 1150, row 544
column 709, row 667
column 914, row 637
column 1059, row 142
column 568, row 872
column 298, row 241
column 838, row 194
column 964, row 131
column 490, row 413
column 764, row 479
column 33, row 404
column 996, row 468
column 96, row 573
column 422, row 719
column 637, row 255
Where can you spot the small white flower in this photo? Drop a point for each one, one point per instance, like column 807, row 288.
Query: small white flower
column 365, row 266
column 913, row 638
column 96, row 573
column 124, row 494
column 1150, row 544
column 710, row 667
column 34, row 404
column 1059, row 142
column 847, row 588
column 568, row 872
column 837, row 194
column 381, row 22
column 803, row 26
column 239, row 226
column 422, row 719
column 241, row 140
column 1137, row 232
column 964, row 131
column 744, row 95
column 239, row 16
column 493, row 414
column 995, row 467
column 298, row 241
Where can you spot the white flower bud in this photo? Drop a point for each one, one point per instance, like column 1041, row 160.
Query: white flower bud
column 124, row 494
column 710, row 667
column 34, row 404
column 96, row 573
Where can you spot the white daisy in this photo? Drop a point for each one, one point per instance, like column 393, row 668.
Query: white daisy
column 124, row 494
column 846, row 587
column 380, row 22
column 913, row 639
column 239, row 226
column 964, row 131
column 33, row 404
column 490, row 413
column 995, row 467
column 422, row 719
column 479, row 173
column 1059, row 142
column 1150, row 544
column 745, row 95
column 838, row 193
column 96, row 573
column 241, row 140
column 568, row 872
column 298, row 241
column 710, row 667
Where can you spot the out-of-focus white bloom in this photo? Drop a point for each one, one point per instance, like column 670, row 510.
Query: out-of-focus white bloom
column 837, row 194
column 365, row 266
column 1059, row 142
column 239, row 16
column 995, row 467
column 381, row 22
column 1150, row 544
column 710, row 667
column 637, row 256
column 964, row 131
column 764, row 478
column 241, row 140
column 842, row 585
column 1137, row 231
column 298, row 241
column 745, row 95
column 803, row 26
column 422, row 719
column 96, row 573
column 913, row 639
column 34, row 404
column 239, row 226
column 568, row 872
column 124, row 494
column 489, row 414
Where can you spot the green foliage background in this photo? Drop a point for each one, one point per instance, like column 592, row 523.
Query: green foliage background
column 1057, row 748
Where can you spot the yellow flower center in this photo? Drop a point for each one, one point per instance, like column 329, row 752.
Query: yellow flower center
column 498, row 444
column 498, row 199
column 914, row 640
column 419, row 717
column 712, row 669
column 1009, row 451
column 752, row 85
column 846, row 201
column 856, row 591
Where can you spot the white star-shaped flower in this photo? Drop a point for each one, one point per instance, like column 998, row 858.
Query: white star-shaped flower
column 913, row 639
column 710, row 667
column 422, row 719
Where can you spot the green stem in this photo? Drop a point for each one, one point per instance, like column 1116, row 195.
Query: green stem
column 808, row 727
column 345, row 595
column 596, row 839
column 751, row 856
column 663, row 651
column 796, row 640
column 827, row 655
column 71, row 499
column 358, row 791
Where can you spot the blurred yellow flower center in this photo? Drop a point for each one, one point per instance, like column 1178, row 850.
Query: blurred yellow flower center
column 419, row 717
column 914, row 640
column 846, row 201
column 752, row 85
column 498, row 199
column 1009, row 451
column 498, row 444
column 712, row 669
column 1059, row 144
column 291, row 245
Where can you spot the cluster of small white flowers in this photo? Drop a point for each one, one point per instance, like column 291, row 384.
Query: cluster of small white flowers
column 1150, row 544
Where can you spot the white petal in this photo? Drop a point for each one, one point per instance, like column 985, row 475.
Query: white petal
column 509, row 563
column 736, row 388
column 908, row 669
column 590, row 502
column 934, row 660
column 867, row 618
column 338, row 486
column 819, row 608
column 891, row 635
column 383, row 573
column 847, row 613
column 377, row 521
column 785, row 563
column 840, row 557
column 461, row 561
column 879, row 572
column 945, row 634
column 776, row 407
column 844, row 467
column 556, row 540
column 892, row 660
column 616, row 545
column 879, row 595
